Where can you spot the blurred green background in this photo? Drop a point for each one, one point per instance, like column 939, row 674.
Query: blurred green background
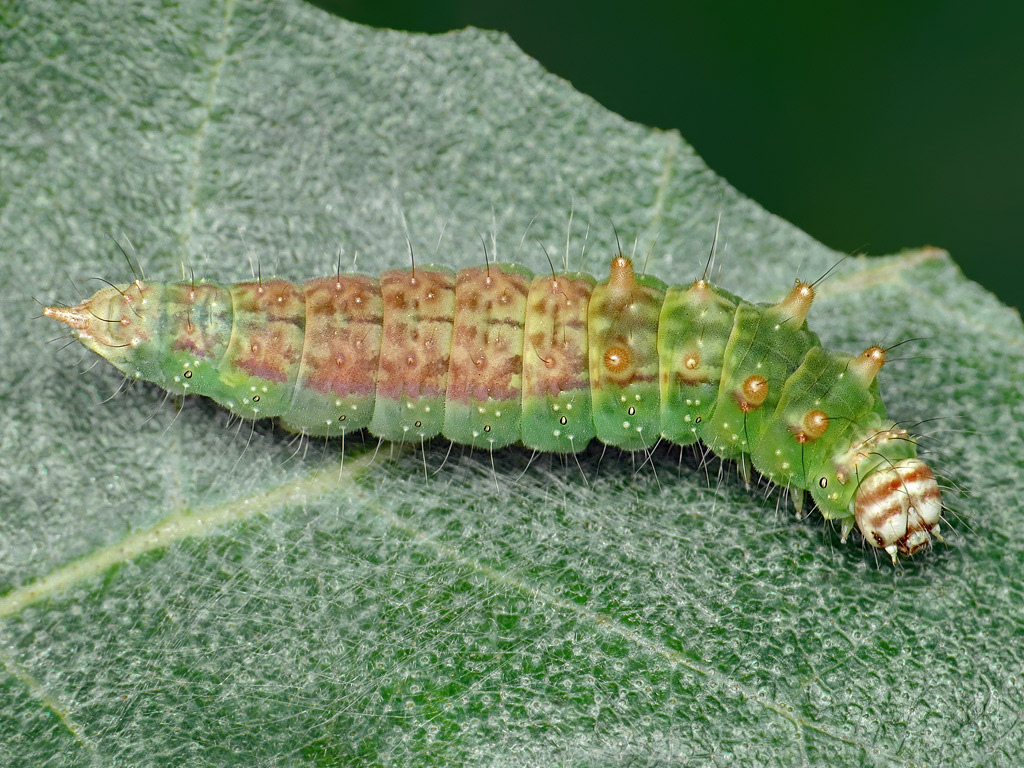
column 874, row 126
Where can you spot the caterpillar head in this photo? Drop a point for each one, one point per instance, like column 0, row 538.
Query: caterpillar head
column 898, row 507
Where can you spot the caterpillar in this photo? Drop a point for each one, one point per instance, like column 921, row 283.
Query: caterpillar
column 493, row 355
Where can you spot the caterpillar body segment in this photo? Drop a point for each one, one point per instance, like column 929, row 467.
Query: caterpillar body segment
column 491, row 356
column 622, row 332
column 484, row 401
column 557, row 403
column 693, row 331
column 412, row 378
column 336, row 387
column 766, row 345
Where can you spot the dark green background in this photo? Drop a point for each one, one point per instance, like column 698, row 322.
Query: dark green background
column 873, row 126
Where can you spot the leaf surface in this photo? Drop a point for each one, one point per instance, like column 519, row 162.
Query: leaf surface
column 179, row 590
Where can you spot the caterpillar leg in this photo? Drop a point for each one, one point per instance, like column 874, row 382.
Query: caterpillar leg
column 797, row 495
column 848, row 524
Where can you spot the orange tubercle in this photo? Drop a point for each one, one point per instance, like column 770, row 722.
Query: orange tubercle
column 868, row 363
column 616, row 359
column 813, row 425
column 797, row 304
column 755, row 392
column 621, row 277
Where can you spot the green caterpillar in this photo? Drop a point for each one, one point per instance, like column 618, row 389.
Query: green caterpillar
column 492, row 356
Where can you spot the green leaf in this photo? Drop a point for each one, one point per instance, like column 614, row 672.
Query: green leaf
column 179, row 590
